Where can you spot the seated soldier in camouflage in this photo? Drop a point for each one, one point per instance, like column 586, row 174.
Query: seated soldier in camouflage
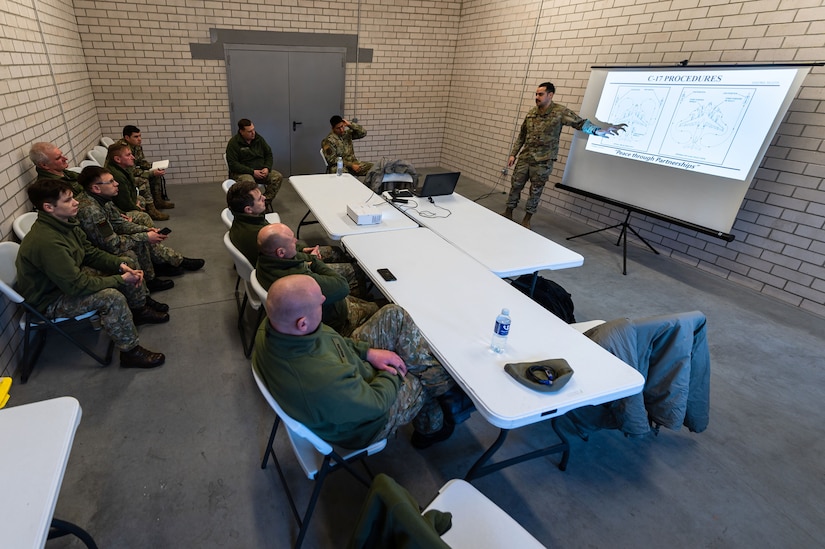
column 147, row 179
column 62, row 275
column 50, row 162
column 246, row 203
column 349, row 391
column 109, row 231
column 249, row 158
column 339, row 143
column 279, row 257
column 121, row 164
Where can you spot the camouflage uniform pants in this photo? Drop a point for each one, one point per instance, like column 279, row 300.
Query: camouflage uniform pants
column 144, row 190
column 334, row 254
column 358, row 312
column 342, row 263
column 392, row 328
column 164, row 254
column 111, row 305
column 136, row 297
column 363, row 168
column 272, row 182
column 141, row 218
column 354, row 275
column 147, row 255
column 538, row 174
column 155, row 187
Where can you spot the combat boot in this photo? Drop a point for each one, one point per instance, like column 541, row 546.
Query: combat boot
column 526, row 221
column 155, row 214
column 160, row 202
column 148, row 315
column 140, row 357
column 508, row 213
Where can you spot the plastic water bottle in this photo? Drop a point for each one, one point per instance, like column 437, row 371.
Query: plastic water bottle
column 340, row 167
column 501, row 331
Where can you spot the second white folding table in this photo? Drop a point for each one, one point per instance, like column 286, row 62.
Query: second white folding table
column 454, row 300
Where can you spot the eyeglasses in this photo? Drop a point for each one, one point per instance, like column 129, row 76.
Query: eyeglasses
column 545, row 375
column 101, row 182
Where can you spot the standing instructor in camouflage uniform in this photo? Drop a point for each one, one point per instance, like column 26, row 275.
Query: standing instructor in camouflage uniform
column 538, row 142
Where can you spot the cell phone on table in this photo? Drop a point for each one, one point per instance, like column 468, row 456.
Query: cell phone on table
column 387, row 275
column 165, row 230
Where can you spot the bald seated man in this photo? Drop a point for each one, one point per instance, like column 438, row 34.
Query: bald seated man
column 349, row 391
column 278, row 256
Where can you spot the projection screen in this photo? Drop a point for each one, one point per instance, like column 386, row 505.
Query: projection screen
column 695, row 137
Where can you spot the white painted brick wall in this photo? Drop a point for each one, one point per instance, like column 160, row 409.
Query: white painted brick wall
column 37, row 68
column 780, row 244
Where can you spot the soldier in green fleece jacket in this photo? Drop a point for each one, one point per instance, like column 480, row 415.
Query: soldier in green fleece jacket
column 349, row 391
column 62, row 275
column 279, row 257
column 120, row 163
column 249, row 158
column 51, row 163
column 247, row 205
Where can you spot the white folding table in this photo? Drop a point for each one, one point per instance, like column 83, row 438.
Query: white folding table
column 36, row 442
column 327, row 197
column 504, row 247
column 454, row 300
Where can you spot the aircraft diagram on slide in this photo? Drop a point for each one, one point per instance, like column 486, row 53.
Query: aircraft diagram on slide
column 640, row 109
column 700, row 125
column 705, row 122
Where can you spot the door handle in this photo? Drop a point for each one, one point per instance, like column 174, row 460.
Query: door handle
column 295, row 125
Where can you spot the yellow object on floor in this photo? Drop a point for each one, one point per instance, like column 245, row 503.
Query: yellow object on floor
column 5, row 385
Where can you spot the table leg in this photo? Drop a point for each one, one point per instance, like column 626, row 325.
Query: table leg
column 60, row 528
column 304, row 222
column 480, row 468
column 533, row 284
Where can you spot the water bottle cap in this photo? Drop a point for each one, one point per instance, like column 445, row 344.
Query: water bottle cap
column 505, row 312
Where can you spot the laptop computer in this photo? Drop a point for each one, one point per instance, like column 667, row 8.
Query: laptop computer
column 438, row 184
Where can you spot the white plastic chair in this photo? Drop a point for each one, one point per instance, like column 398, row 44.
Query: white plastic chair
column 244, row 269
column 33, row 323
column 22, row 224
column 259, row 290
column 393, row 180
column 586, row 325
column 97, row 156
column 226, row 163
column 106, row 141
column 84, row 163
column 75, row 169
column 478, row 523
column 316, row 457
column 324, row 160
column 226, row 184
column 227, row 216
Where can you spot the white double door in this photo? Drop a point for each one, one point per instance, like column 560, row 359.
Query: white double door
column 289, row 93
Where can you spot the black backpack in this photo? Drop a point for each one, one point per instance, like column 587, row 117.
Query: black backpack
column 549, row 295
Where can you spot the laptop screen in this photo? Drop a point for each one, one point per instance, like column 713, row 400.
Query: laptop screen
column 439, row 184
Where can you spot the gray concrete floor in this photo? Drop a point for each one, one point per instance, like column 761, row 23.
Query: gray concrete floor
column 170, row 457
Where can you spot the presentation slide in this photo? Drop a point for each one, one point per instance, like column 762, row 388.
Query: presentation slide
column 711, row 121
column 695, row 137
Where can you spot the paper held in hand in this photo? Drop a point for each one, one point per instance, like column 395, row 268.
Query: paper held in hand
column 160, row 164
